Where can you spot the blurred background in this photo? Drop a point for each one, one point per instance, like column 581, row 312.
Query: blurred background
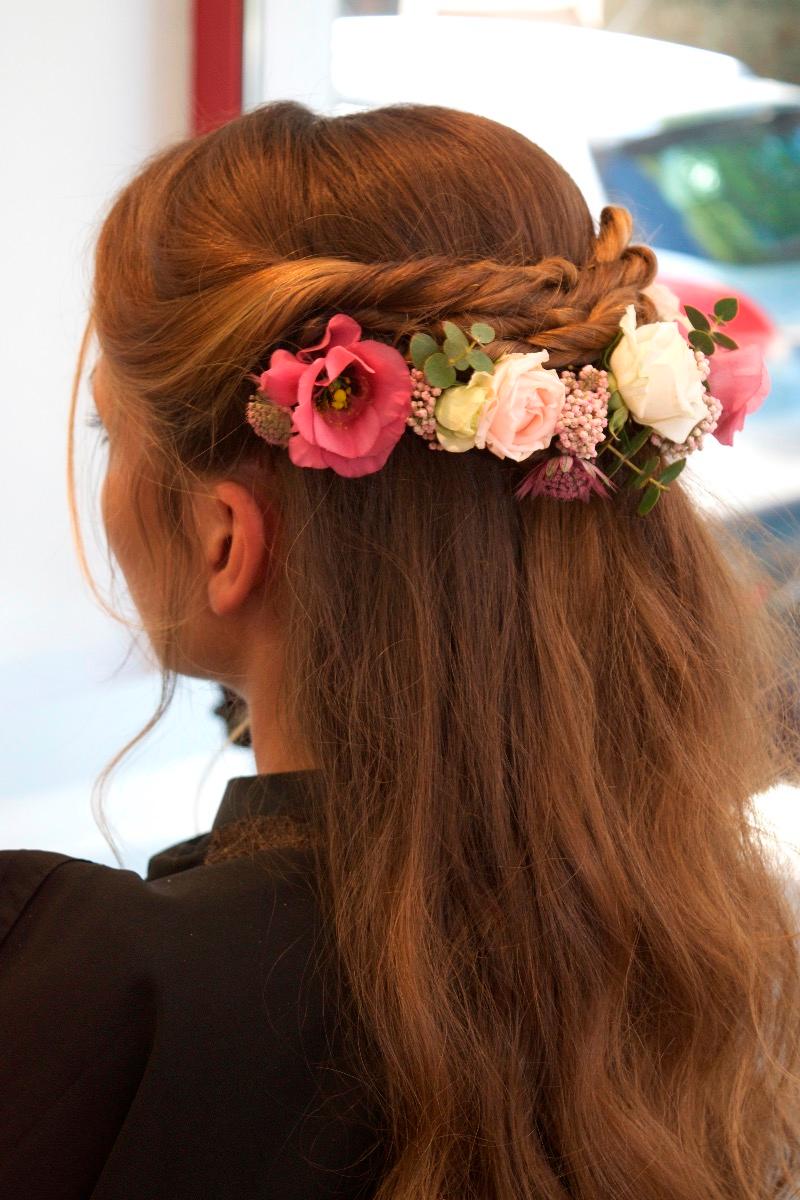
column 688, row 113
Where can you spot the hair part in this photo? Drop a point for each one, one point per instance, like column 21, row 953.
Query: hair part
column 539, row 726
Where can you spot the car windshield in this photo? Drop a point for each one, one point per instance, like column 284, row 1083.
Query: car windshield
column 725, row 190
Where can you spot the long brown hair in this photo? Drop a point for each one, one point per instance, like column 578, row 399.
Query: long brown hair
column 539, row 726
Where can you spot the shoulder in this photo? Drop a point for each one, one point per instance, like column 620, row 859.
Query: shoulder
column 75, row 899
column 75, row 928
column 87, row 949
column 97, row 964
column 22, row 873
column 153, row 1015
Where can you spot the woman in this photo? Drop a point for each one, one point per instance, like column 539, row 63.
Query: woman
column 492, row 920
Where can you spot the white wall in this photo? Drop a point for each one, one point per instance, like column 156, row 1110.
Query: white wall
column 288, row 52
column 88, row 89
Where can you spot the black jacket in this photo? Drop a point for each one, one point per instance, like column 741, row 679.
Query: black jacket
column 167, row 1037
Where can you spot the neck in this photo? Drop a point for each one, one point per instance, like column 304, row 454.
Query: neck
column 276, row 747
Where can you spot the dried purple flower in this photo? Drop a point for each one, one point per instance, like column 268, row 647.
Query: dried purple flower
column 564, row 477
column 272, row 422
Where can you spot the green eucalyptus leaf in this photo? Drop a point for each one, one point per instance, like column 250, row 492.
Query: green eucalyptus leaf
column 461, row 364
column 482, row 333
column 699, row 320
column 638, row 440
column 722, row 339
column 701, row 341
column 480, row 361
column 672, row 471
column 618, row 419
column 647, row 470
column 616, row 465
column 614, row 401
column 454, row 349
column 454, row 335
column 610, row 348
column 422, row 346
column 726, row 308
column 648, row 500
column 438, row 371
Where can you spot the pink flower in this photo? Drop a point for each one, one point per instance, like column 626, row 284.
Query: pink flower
column 522, row 411
column 564, row 477
column 740, row 381
column 349, row 399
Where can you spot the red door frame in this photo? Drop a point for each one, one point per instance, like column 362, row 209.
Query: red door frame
column 217, row 27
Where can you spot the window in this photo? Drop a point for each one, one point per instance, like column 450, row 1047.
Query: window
column 724, row 190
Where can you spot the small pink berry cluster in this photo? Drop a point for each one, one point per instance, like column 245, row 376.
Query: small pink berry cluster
column 423, row 402
column 703, row 363
column 584, row 416
column 670, row 451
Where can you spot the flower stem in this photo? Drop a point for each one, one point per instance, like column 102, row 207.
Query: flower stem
column 661, row 486
column 619, row 454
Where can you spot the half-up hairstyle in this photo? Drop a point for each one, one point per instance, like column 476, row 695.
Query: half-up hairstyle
column 539, row 725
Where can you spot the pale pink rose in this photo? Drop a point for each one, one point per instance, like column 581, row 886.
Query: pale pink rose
column 668, row 305
column 348, row 398
column 740, row 381
column 523, row 408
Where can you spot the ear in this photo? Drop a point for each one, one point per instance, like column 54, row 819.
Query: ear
column 234, row 544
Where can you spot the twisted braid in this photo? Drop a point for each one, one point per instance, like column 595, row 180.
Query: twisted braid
column 572, row 311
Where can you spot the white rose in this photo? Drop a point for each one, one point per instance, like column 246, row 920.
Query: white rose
column 657, row 375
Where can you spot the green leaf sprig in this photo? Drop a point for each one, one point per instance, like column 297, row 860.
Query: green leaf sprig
column 439, row 362
column 623, row 447
column 703, row 336
column 610, row 348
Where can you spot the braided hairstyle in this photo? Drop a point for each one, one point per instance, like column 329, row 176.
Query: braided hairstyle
column 571, row 311
column 271, row 279
column 538, row 726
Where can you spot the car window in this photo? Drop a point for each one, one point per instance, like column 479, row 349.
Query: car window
column 725, row 190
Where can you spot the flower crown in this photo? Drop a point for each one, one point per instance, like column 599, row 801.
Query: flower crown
column 345, row 402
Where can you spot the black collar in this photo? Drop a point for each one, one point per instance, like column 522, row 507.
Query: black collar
column 257, row 795
column 244, row 796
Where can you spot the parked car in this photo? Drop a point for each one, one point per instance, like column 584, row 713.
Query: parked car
column 705, row 154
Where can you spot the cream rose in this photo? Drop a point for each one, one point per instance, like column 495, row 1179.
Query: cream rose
column 657, row 375
column 457, row 411
column 523, row 407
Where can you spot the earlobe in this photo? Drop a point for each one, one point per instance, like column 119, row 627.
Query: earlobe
column 236, row 548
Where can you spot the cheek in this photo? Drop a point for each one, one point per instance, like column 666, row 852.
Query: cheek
column 133, row 527
column 105, row 503
column 112, row 507
column 123, row 533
